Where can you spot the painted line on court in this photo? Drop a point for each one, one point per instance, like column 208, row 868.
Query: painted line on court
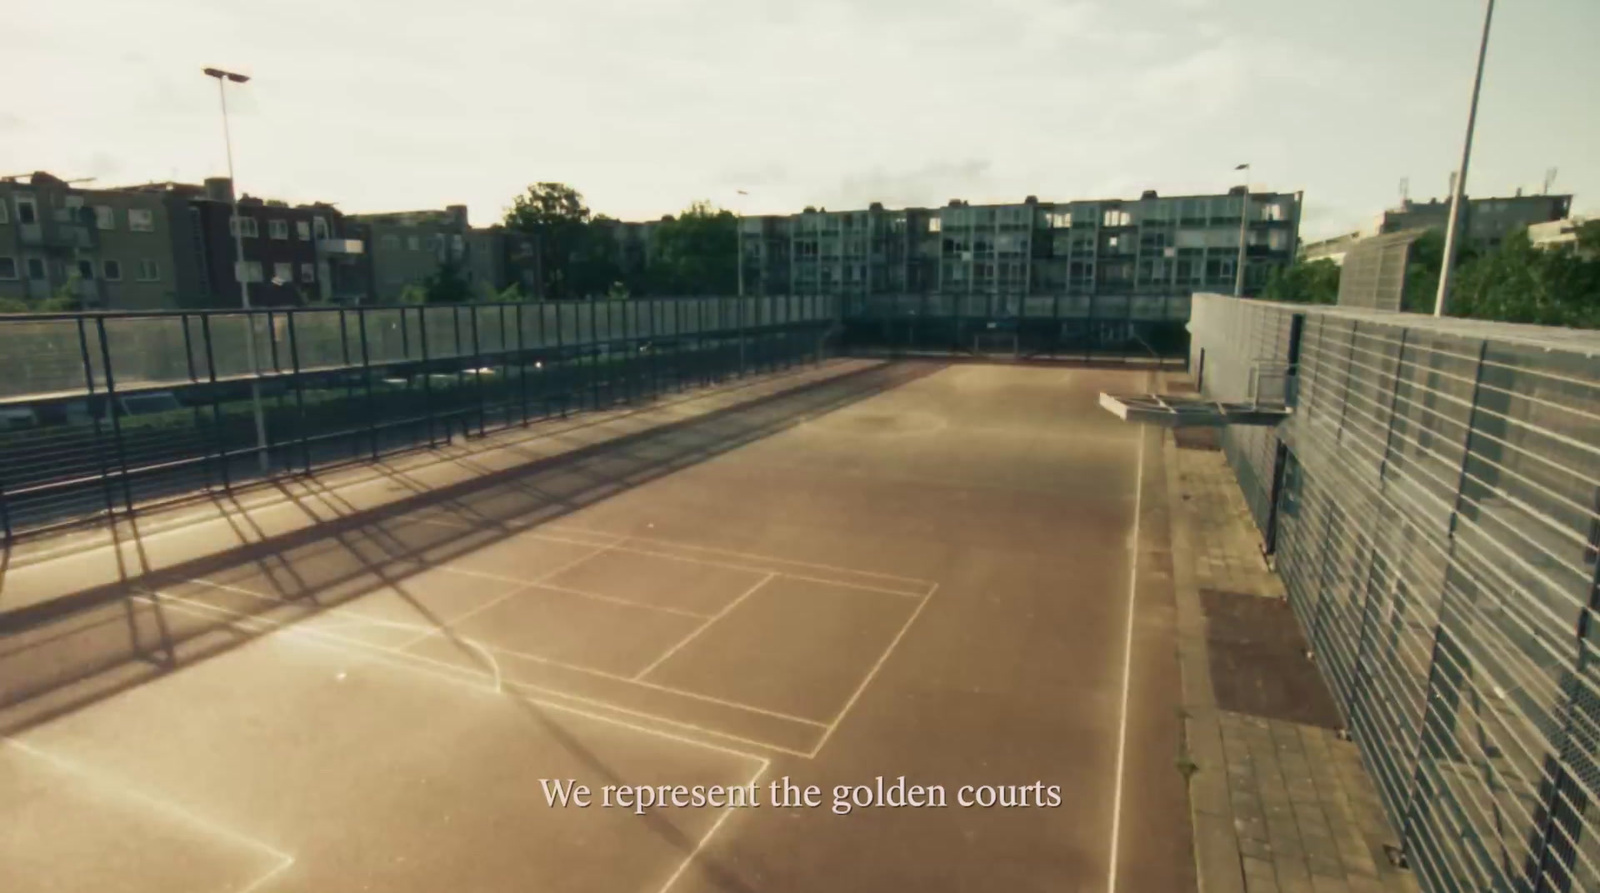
column 568, row 590
column 560, row 528
column 1127, row 667
column 872, row 673
column 710, row 833
column 508, row 595
column 463, row 675
column 100, row 780
column 537, row 533
column 710, row 621
column 458, row 675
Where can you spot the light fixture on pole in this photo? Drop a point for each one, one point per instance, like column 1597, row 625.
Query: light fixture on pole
column 237, row 225
column 1451, row 232
column 1244, row 219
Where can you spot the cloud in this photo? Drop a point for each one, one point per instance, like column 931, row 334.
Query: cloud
column 928, row 186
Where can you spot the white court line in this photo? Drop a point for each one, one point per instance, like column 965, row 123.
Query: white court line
column 664, row 609
column 710, row 832
column 635, row 550
column 559, row 528
column 1127, row 669
column 409, row 660
column 867, row 680
column 506, row 596
column 695, row 633
column 412, row 662
column 172, row 810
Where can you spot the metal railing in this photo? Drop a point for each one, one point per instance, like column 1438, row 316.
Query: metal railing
column 103, row 412
column 1434, row 502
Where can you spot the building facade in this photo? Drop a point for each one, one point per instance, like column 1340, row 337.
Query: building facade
column 105, row 249
column 1152, row 245
column 1486, row 221
column 408, row 248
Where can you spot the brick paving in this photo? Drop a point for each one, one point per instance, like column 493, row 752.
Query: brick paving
column 1278, row 806
column 1227, row 547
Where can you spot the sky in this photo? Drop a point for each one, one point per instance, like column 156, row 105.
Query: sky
column 645, row 106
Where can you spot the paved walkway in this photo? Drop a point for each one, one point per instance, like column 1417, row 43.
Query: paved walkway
column 1279, row 803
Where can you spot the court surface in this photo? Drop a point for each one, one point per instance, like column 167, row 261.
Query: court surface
column 930, row 577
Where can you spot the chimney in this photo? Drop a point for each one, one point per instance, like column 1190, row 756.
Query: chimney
column 1519, row 192
column 219, row 189
column 458, row 212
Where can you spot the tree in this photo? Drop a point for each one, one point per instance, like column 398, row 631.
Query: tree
column 1304, row 282
column 697, row 252
column 556, row 215
column 1520, row 283
column 446, row 284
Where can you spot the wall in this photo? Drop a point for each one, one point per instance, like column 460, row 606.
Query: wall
column 1437, row 529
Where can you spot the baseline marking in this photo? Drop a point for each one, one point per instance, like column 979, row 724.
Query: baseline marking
column 172, row 810
column 711, row 832
column 1127, row 670
column 695, row 633
column 872, row 673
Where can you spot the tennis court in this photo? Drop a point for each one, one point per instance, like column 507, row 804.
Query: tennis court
column 920, row 570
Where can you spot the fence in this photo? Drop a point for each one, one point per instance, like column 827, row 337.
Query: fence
column 1085, row 327
column 101, row 412
column 1434, row 507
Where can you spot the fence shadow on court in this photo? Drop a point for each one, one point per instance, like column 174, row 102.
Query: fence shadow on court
column 65, row 654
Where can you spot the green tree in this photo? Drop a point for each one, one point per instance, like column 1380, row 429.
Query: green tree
column 555, row 214
column 1304, row 282
column 1520, row 283
column 697, row 252
column 447, row 284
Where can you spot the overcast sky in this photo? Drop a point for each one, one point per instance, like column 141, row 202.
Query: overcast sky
column 647, row 105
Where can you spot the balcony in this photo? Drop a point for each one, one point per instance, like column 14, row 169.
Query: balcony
column 345, row 247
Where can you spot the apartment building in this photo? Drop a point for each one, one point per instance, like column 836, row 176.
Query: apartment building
column 1485, row 221
column 1151, row 245
column 498, row 258
column 105, row 248
column 409, row 246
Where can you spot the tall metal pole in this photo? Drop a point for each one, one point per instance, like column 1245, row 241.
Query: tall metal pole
column 1450, row 232
column 237, row 225
column 1244, row 220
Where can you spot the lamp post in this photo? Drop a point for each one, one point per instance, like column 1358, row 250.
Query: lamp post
column 237, row 226
column 1451, row 229
column 1244, row 220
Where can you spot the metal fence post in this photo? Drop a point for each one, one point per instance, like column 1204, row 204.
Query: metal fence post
column 299, row 392
column 116, row 421
column 366, row 382
column 427, row 375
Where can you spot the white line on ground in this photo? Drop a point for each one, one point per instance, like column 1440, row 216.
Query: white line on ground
column 464, row 675
column 512, row 594
column 635, row 550
column 710, row 832
column 1127, row 670
column 563, row 528
column 101, row 780
column 458, row 676
column 568, row 590
column 695, row 633
column 872, row 673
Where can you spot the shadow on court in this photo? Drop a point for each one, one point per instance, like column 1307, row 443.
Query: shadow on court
column 61, row 655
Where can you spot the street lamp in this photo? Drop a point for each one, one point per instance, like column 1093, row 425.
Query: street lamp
column 237, row 226
column 1450, row 232
column 1244, row 219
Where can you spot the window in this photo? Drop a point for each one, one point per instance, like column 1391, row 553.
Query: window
column 308, row 272
column 8, row 268
column 141, row 220
column 413, row 243
column 933, row 224
column 149, row 270
column 27, row 211
column 247, row 271
column 1117, row 217
column 458, row 246
column 1060, row 219
column 112, row 270
column 105, row 217
column 1273, row 212
column 278, row 229
column 245, row 225
column 319, row 226
column 389, row 242
column 85, row 269
column 282, row 274
column 302, row 230
column 35, row 268
column 5, row 213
